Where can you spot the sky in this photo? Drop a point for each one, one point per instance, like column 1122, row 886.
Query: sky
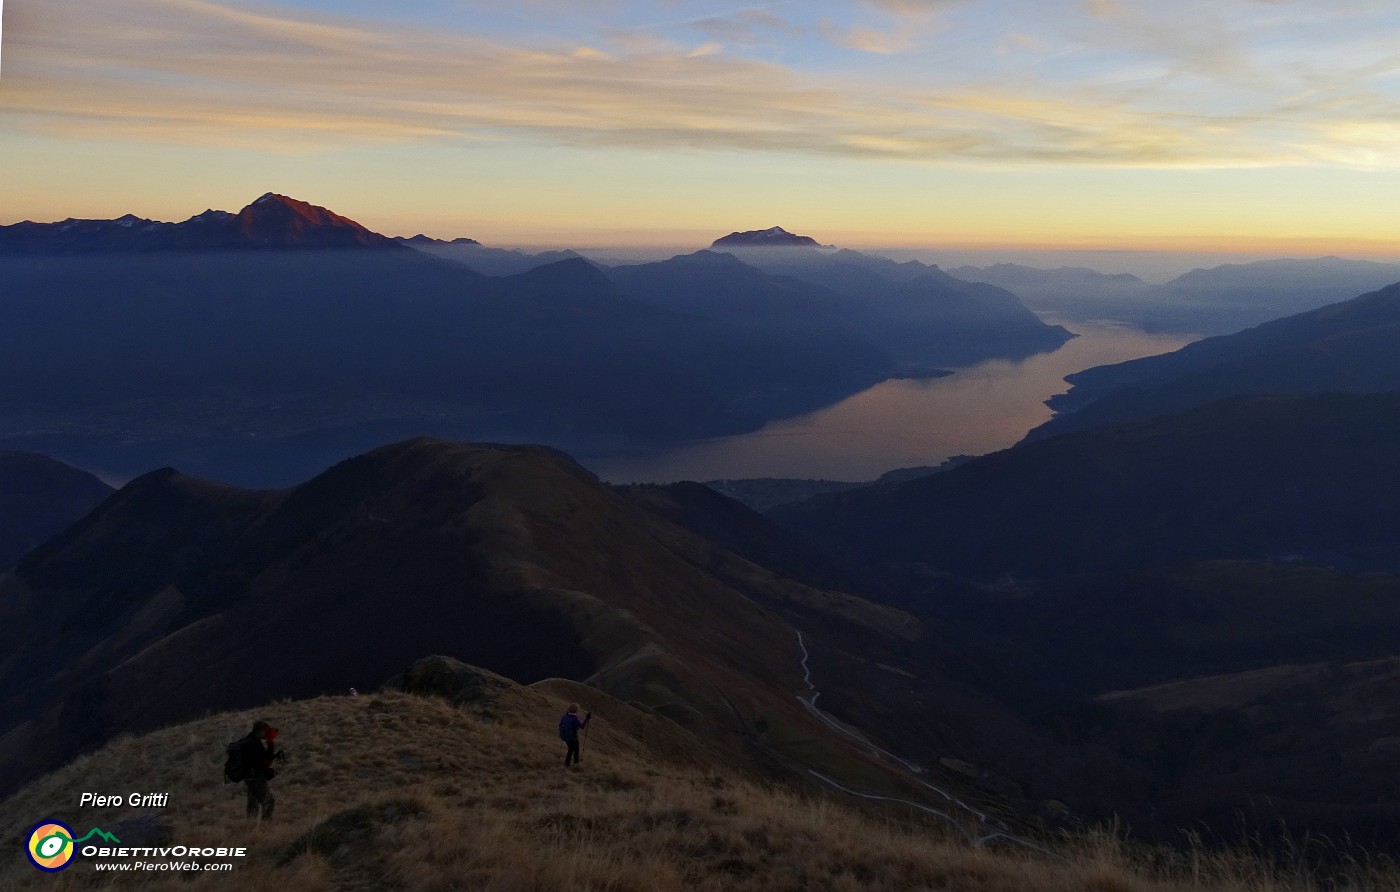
column 1269, row 126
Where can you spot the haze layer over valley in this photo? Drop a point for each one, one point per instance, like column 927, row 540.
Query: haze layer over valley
column 259, row 345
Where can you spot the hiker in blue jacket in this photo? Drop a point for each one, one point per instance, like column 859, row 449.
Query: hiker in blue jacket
column 569, row 726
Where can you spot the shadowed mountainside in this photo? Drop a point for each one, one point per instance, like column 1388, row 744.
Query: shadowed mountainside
column 1353, row 346
column 694, row 609
column 512, row 557
column 1257, row 534
column 1308, row 477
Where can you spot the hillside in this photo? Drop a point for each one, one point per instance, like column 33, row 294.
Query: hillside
column 1349, row 346
column 512, row 557
column 1299, row 737
column 1307, row 478
column 39, row 497
column 1252, row 535
column 973, row 701
column 399, row 791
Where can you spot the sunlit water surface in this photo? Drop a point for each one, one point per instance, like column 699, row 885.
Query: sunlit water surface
column 898, row 424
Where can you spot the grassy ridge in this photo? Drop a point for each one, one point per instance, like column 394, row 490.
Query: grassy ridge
column 394, row 791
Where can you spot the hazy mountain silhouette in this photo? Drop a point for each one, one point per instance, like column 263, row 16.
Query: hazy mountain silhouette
column 1074, row 292
column 262, row 366
column 241, row 346
column 39, row 497
column 424, row 241
column 773, row 237
column 721, row 286
column 1220, row 300
column 1235, row 296
column 490, row 261
column 718, row 287
column 1351, row 346
column 242, row 361
column 916, row 315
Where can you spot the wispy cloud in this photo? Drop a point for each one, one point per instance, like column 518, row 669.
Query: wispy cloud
column 753, row 26
column 912, row 21
column 913, row 7
column 207, row 71
column 869, row 40
column 1104, row 9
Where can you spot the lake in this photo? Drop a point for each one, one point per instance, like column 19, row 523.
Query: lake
column 899, row 423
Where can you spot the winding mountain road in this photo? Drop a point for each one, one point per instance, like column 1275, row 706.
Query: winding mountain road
column 994, row 829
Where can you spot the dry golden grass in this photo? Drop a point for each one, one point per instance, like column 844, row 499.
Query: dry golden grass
column 393, row 791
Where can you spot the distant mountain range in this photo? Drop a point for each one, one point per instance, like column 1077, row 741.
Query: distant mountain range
column 490, row 261
column 1075, row 292
column 1215, row 301
column 262, row 366
column 917, row 313
column 423, row 241
column 271, row 222
column 774, row 237
column 259, row 366
column 1269, row 289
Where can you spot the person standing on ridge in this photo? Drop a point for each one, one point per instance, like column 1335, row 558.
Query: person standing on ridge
column 259, row 751
column 569, row 726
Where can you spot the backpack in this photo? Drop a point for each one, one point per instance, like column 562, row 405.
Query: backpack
column 235, row 766
column 566, row 728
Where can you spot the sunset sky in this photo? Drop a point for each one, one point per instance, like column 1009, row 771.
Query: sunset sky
column 1233, row 124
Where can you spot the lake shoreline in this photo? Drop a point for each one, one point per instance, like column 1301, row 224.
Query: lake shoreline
column 900, row 422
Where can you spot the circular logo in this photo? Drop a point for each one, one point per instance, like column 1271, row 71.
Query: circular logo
column 50, row 846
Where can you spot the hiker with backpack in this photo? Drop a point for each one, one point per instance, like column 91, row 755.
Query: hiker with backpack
column 250, row 761
column 569, row 726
